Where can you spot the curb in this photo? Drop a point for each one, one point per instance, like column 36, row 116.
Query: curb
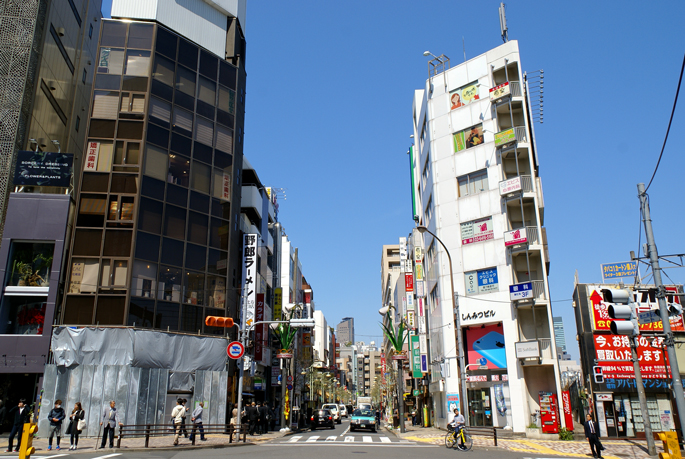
column 138, row 450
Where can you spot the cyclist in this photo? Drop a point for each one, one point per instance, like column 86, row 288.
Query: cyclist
column 457, row 424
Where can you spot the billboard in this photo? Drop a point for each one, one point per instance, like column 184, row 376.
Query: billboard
column 464, row 96
column 35, row 168
column 485, row 347
column 614, row 356
column 249, row 276
column 477, row 231
column 468, row 138
column 618, row 270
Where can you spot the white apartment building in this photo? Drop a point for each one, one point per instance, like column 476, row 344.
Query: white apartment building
column 477, row 188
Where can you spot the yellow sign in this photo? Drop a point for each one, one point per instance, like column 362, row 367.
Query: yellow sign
column 671, row 446
column 278, row 303
column 286, row 405
column 469, row 92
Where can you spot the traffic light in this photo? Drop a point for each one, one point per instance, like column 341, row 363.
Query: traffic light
column 216, row 321
column 598, row 373
column 674, row 309
column 621, row 307
column 27, row 447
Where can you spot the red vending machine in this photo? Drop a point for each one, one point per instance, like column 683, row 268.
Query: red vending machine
column 549, row 412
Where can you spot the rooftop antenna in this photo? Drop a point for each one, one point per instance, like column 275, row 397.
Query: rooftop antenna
column 503, row 23
column 463, row 45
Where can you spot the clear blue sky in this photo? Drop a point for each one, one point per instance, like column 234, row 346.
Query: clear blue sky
column 329, row 97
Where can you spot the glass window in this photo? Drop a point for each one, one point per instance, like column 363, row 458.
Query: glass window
column 177, row 195
column 158, row 135
column 141, row 313
column 223, row 161
column 166, row 43
column 197, row 228
column 95, row 182
column 166, row 316
column 113, row 273
column 179, row 170
column 175, row 222
column 111, row 61
column 187, row 54
column 172, row 252
column 110, row 310
column 227, row 75
column 147, row 246
column 170, row 281
column 79, row 310
column 144, row 279
column 208, row 64
column 92, row 210
column 133, row 104
column 202, row 152
column 196, row 257
column 163, row 70
column 481, row 281
column 113, row 33
column 218, row 236
column 22, row 315
column 105, row 104
column 216, row 292
column 217, row 262
column 126, row 158
column 183, row 121
column 181, row 144
column 193, row 288
column 30, row 264
column 140, row 35
column 224, row 139
column 156, row 162
column 107, row 81
column 207, row 91
column 226, row 100
column 118, row 243
column 160, row 111
column 137, row 63
column 121, row 208
column 130, row 130
column 150, row 216
column 84, row 275
column 473, row 183
column 200, row 178
column 153, row 188
column 101, row 128
column 124, row 183
column 204, row 131
column 199, row 202
column 185, row 81
column 192, row 318
column 87, row 242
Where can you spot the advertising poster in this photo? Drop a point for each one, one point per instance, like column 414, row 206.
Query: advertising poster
column 614, row 356
column 464, row 96
column 43, row 169
column 482, row 281
column 452, row 403
column 485, row 347
column 278, row 303
column 468, row 138
column 477, row 231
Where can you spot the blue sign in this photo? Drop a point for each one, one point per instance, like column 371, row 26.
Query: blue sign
column 618, row 270
column 521, row 291
column 487, row 280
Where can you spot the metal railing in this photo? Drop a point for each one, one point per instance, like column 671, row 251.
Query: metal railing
column 545, row 348
column 539, row 289
column 153, row 430
column 515, row 88
column 532, row 235
column 521, row 135
column 526, row 183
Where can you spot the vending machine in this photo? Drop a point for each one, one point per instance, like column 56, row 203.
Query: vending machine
column 549, row 412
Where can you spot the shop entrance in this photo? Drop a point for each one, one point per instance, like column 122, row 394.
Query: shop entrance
column 480, row 407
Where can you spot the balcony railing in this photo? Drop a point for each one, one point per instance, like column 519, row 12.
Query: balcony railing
column 515, row 88
column 522, row 183
column 546, row 348
column 532, row 234
column 539, row 289
column 521, row 134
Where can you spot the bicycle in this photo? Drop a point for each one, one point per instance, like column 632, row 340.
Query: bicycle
column 461, row 439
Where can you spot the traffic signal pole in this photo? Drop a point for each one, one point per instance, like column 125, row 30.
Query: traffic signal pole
column 677, row 383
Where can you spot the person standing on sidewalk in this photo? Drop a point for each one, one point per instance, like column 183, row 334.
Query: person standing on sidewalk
column 110, row 418
column 177, row 417
column 592, row 436
column 19, row 415
column 76, row 415
column 56, row 416
column 184, row 431
column 263, row 418
column 196, row 419
column 3, row 413
column 252, row 417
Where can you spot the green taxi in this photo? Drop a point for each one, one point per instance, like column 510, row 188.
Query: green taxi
column 363, row 419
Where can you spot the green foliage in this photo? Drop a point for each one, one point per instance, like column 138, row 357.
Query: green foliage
column 285, row 334
column 565, row 434
column 396, row 337
column 533, row 425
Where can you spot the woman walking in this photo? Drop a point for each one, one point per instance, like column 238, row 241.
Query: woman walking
column 76, row 416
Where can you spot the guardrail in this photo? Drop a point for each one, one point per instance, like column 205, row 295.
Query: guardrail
column 483, row 431
column 149, row 430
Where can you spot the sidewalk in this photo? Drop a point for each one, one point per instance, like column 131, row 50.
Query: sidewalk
column 131, row 444
column 615, row 449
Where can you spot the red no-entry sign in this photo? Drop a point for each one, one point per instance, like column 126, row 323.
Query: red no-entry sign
column 235, row 350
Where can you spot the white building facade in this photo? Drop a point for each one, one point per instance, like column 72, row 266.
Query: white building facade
column 476, row 186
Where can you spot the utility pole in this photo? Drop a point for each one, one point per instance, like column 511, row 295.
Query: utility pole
column 651, row 447
column 677, row 384
column 400, row 393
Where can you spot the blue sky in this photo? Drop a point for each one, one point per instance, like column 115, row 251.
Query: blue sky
column 329, row 96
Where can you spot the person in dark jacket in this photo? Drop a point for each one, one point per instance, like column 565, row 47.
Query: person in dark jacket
column 56, row 417
column 592, row 436
column 252, row 417
column 3, row 414
column 264, row 418
column 76, row 415
column 19, row 416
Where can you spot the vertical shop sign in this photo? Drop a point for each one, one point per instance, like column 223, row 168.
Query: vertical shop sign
column 249, row 277
column 416, row 356
column 278, row 303
column 568, row 415
column 259, row 330
column 91, row 162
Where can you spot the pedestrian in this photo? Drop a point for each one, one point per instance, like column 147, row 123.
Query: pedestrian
column 77, row 414
column 110, row 418
column 272, row 418
column 177, row 418
column 252, row 417
column 592, row 436
column 263, row 418
column 234, row 417
column 56, row 416
column 184, row 431
column 19, row 416
column 3, row 414
column 196, row 419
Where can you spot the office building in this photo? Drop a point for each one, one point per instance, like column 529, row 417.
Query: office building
column 559, row 335
column 473, row 124
column 345, row 331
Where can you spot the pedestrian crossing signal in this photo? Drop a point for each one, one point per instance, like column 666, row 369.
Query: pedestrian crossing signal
column 598, row 373
column 27, row 447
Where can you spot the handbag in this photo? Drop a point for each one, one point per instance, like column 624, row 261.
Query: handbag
column 81, row 424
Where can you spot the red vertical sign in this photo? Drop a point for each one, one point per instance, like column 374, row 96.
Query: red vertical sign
column 568, row 414
column 259, row 330
column 409, row 282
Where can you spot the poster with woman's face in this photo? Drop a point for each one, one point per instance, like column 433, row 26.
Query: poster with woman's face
column 463, row 96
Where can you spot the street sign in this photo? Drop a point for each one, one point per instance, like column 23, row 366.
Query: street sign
column 521, row 291
column 290, row 387
column 290, row 379
column 235, row 350
column 648, row 317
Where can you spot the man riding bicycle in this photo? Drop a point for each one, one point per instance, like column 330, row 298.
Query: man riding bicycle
column 457, row 424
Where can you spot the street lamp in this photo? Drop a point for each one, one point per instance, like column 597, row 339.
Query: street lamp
column 460, row 345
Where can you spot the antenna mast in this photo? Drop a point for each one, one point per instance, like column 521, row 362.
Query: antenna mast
column 503, row 23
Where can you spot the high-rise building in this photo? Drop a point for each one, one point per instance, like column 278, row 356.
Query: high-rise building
column 559, row 335
column 345, row 331
column 473, row 123
column 47, row 55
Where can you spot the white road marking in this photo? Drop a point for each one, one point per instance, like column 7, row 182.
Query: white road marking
column 349, row 439
column 367, row 439
column 385, row 440
column 104, row 457
column 312, row 439
column 295, row 438
column 332, row 438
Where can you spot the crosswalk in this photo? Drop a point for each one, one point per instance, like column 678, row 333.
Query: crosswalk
column 299, row 439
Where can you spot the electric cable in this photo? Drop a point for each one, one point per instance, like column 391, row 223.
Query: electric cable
column 675, row 102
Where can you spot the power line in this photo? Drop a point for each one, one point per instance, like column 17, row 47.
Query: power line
column 675, row 102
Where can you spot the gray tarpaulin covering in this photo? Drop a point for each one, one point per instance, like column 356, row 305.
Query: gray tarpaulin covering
column 138, row 348
column 180, row 381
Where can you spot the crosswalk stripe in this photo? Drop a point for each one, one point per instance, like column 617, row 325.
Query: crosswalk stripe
column 295, row 438
column 385, row 440
column 349, row 439
column 331, row 438
column 106, row 456
column 366, row 439
column 312, row 439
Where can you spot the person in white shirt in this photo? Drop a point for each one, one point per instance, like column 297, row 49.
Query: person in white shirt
column 177, row 417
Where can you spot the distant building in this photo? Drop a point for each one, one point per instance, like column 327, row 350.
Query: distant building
column 559, row 335
column 345, row 330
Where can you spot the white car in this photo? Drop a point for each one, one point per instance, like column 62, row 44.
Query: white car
column 333, row 408
column 343, row 411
